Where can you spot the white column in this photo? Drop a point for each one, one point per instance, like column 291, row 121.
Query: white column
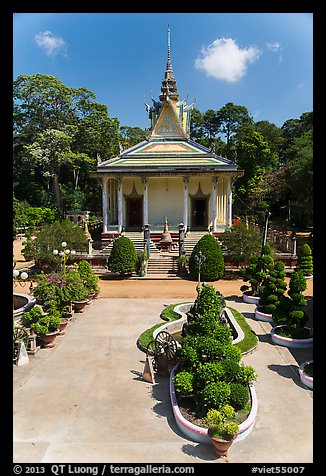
column 145, row 202
column 105, row 204
column 185, row 202
column 229, row 215
column 119, row 205
column 223, row 201
column 214, row 202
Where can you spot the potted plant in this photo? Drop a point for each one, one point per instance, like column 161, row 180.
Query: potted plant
column 89, row 279
column 272, row 289
column 222, row 429
column 255, row 273
column 142, row 262
column 47, row 328
column 183, row 260
column 290, row 316
column 79, row 297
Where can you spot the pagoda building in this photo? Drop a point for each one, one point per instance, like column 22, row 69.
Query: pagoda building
column 167, row 177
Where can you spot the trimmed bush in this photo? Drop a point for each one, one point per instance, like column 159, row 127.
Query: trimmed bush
column 89, row 279
column 216, row 394
column 123, row 256
column 183, row 383
column 272, row 288
column 239, row 396
column 305, row 261
column 257, row 271
column 213, row 268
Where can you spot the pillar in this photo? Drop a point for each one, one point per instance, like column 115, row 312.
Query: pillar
column 185, row 202
column 105, row 204
column 145, row 202
column 214, row 202
column 119, row 205
column 229, row 212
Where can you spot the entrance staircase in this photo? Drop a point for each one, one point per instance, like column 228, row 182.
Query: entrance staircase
column 191, row 240
column 162, row 264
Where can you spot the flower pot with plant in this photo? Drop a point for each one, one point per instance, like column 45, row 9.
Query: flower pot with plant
column 142, row 263
column 89, row 279
column 47, row 328
column 290, row 316
column 183, row 261
column 79, row 297
column 222, row 429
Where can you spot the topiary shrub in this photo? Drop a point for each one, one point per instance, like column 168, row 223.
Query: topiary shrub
column 208, row 373
column 305, row 261
column 257, row 270
column 291, row 312
column 215, row 395
column 272, row 288
column 123, row 256
column 239, row 396
column 90, row 280
column 213, row 267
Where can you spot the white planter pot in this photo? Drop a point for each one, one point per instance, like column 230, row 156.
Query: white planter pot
column 288, row 342
column 250, row 299
column 199, row 434
column 304, row 377
column 262, row 316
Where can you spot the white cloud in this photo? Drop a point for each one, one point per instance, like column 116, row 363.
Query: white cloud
column 274, row 47
column 51, row 44
column 225, row 60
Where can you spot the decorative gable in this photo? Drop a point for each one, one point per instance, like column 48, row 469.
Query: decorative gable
column 168, row 125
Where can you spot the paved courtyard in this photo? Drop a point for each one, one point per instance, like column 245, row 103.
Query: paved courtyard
column 85, row 400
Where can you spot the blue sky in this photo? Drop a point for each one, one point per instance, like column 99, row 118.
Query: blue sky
column 263, row 61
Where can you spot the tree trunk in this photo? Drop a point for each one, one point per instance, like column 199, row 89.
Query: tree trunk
column 56, row 190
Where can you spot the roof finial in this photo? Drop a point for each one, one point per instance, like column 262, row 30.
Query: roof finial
column 169, row 84
column 169, row 66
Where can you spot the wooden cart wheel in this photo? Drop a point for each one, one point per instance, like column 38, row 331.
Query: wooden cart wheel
column 168, row 343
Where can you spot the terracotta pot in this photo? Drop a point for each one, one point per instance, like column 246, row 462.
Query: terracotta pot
column 48, row 340
column 221, row 446
column 79, row 306
column 63, row 325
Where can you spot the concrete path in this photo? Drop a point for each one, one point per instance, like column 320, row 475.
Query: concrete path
column 85, row 401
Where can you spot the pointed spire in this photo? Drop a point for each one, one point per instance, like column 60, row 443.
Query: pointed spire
column 169, row 84
column 169, row 65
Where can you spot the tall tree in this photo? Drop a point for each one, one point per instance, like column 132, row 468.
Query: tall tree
column 43, row 103
column 230, row 117
column 50, row 151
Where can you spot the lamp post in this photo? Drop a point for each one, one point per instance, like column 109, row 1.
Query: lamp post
column 268, row 214
column 64, row 254
column 200, row 259
column 19, row 277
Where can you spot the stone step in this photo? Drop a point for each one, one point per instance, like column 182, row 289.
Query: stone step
column 162, row 264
